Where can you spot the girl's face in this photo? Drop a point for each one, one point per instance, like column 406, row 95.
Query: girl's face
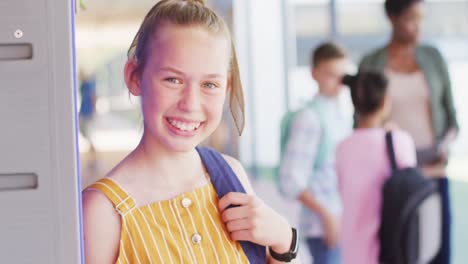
column 328, row 75
column 183, row 85
column 406, row 26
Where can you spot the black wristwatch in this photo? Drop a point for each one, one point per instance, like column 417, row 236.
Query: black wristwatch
column 292, row 253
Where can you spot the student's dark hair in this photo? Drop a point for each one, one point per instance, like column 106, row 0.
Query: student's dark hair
column 396, row 7
column 326, row 51
column 368, row 90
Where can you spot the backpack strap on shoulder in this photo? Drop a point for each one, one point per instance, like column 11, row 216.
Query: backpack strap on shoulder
column 391, row 150
column 122, row 201
column 221, row 174
column 224, row 181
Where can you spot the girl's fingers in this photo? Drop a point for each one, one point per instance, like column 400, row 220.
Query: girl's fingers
column 242, row 235
column 239, row 224
column 234, row 198
column 236, row 213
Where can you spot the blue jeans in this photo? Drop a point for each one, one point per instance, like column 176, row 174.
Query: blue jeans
column 321, row 254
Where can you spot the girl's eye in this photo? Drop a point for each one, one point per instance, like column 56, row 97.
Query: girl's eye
column 173, row 80
column 210, row 85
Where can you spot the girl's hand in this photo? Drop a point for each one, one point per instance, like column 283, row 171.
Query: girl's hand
column 252, row 220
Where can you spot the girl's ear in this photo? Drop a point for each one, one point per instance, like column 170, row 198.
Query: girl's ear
column 132, row 79
column 313, row 73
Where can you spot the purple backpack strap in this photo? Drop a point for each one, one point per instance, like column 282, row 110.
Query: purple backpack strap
column 224, row 181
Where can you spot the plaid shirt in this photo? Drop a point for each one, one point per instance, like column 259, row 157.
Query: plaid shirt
column 297, row 171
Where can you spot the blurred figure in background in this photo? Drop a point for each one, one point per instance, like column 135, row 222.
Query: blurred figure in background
column 87, row 107
column 307, row 170
column 420, row 91
column 362, row 167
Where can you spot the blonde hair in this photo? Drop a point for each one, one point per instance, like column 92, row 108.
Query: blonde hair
column 189, row 13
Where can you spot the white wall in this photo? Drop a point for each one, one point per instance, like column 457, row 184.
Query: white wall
column 259, row 39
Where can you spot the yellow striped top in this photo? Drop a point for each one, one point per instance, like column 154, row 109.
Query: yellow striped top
column 185, row 229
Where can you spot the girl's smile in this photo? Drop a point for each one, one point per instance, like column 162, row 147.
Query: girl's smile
column 183, row 127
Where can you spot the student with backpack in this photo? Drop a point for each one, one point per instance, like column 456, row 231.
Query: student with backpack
column 363, row 166
column 171, row 200
column 307, row 169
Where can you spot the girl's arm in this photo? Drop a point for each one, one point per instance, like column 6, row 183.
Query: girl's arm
column 253, row 220
column 101, row 227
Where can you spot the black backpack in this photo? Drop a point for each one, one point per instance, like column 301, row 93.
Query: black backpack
column 410, row 225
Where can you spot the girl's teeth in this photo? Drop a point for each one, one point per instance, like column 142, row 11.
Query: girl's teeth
column 183, row 126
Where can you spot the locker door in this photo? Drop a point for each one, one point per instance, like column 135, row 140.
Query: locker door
column 39, row 186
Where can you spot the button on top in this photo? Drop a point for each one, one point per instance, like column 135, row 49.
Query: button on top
column 196, row 238
column 186, row 202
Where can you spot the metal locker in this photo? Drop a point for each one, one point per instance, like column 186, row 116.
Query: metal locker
column 39, row 185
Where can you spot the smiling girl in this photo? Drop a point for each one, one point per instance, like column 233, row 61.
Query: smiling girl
column 170, row 201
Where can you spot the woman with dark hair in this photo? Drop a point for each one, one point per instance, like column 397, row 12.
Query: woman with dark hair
column 421, row 96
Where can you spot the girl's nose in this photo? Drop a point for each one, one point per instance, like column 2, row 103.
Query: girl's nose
column 190, row 99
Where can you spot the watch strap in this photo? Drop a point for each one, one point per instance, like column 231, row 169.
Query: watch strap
column 292, row 253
